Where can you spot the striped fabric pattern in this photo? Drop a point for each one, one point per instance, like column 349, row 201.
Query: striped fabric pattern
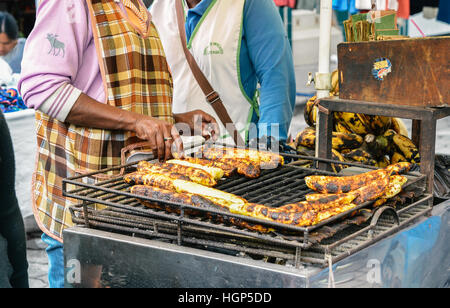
column 59, row 104
column 137, row 79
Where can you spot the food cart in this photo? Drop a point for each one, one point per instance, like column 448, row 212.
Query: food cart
column 396, row 245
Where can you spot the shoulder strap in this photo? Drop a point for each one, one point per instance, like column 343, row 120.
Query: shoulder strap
column 212, row 97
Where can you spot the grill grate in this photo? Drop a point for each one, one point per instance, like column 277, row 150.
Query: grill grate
column 276, row 188
column 125, row 214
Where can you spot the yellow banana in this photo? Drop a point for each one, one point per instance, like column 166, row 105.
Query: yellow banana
column 378, row 146
column 399, row 126
column 338, row 127
column 361, row 156
column 306, row 138
column 377, row 124
column 407, row 148
column 310, row 111
column 383, row 162
column 397, row 158
column 388, row 137
column 339, row 157
column 334, row 83
column 352, row 122
column 362, row 124
column 340, row 141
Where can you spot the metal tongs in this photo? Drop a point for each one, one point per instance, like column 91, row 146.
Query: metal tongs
column 140, row 151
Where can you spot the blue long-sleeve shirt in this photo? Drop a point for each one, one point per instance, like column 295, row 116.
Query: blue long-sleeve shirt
column 265, row 57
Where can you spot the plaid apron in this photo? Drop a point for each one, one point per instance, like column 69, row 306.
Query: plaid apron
column 136, row 78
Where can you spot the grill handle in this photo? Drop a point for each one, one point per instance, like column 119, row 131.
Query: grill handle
column 123, row 158
column 377, row 216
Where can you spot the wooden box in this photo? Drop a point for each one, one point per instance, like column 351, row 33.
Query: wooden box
column 412, row 72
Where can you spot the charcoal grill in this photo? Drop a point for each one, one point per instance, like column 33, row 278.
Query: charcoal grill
column 329, row 241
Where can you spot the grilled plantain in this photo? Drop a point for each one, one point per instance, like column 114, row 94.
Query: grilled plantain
column 243, row 166
column 157, row 168
column 336, row 185
column 227, row 168
column 383, row 189
column 150, row 179
column 399, row 168
column 196, row 175
column 369, row 192
column 395, row 186
column 265, row 160
column 216, row 173
column 192, row 200
column 300, row 214
column 207, row 192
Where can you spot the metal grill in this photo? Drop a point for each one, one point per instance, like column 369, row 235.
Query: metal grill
column 288, row 244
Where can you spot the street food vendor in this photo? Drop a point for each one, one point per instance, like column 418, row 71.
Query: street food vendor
column 242, row 48
column 96, row 74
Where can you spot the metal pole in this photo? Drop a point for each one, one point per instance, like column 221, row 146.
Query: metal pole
column 323, row 76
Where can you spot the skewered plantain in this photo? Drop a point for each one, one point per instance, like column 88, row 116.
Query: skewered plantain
column 370, row 192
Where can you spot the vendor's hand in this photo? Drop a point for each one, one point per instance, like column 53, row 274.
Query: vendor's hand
column 199, row 120
column 163, row 137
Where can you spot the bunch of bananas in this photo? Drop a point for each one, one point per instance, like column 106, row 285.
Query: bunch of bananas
column 367, row 139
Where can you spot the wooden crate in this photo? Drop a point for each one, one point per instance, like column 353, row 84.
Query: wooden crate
column 412, row 72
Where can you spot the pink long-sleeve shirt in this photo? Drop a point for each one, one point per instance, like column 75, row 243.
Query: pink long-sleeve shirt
column 60, row 59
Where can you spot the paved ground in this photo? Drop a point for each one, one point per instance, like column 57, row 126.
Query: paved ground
column 37, row 261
